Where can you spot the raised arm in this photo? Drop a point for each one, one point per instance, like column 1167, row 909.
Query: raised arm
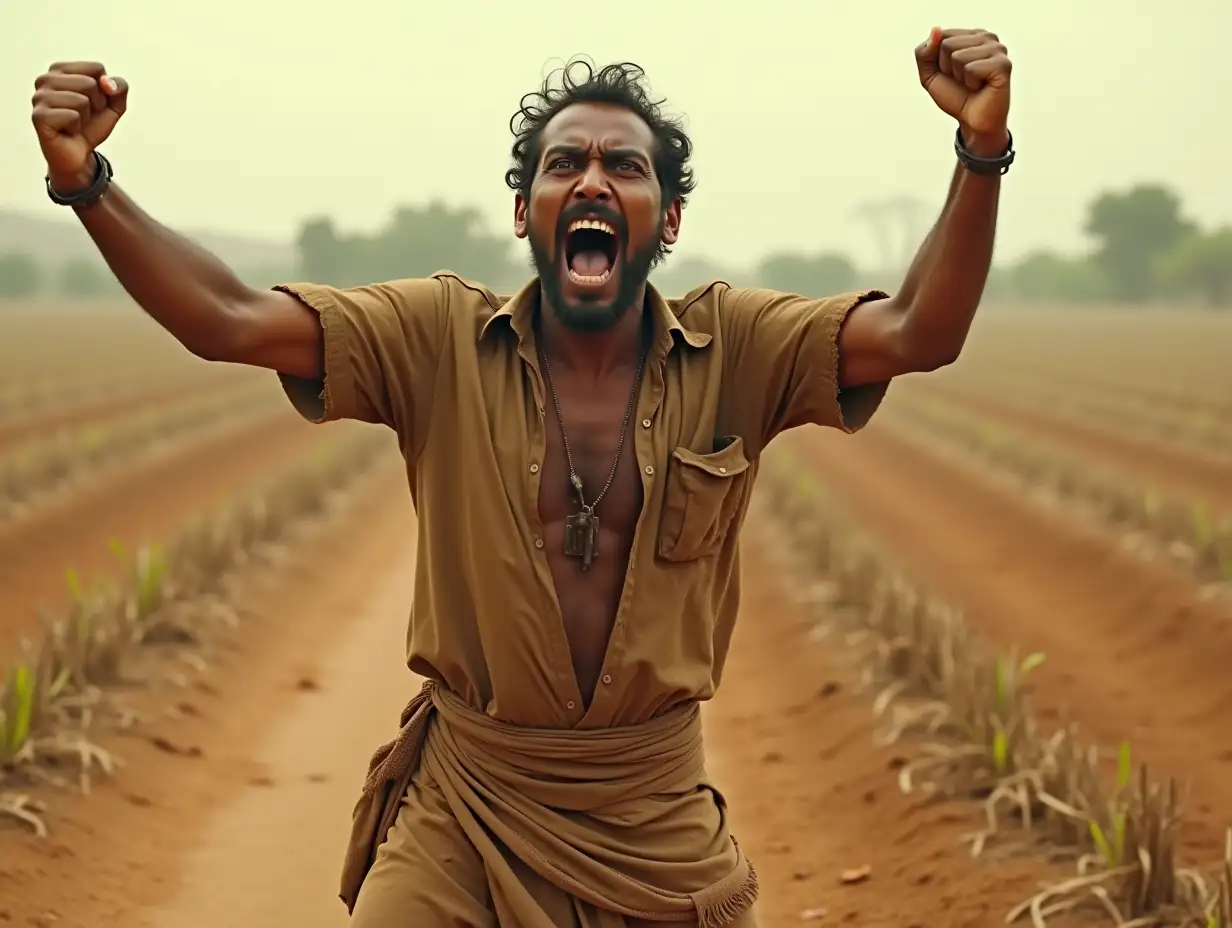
column 367, row 353
column 198, row 299
column 924, row 325
column 188, row 291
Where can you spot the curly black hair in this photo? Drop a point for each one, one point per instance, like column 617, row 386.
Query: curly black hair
column 623, row 84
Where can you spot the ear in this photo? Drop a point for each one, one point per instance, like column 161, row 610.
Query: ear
column 671, row 223
column 519, row 215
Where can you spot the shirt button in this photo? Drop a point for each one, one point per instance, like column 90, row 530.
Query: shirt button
column 534, row 468
column 607, row 678
column 645, row 423
column 649, row 469
column 538, row 542
column 570, row 704
column 722, row 470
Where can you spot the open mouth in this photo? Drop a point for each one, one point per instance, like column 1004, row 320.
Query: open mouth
column 591, row 250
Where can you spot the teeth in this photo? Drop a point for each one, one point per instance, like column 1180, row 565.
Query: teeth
column 591, row 280
column 598, row 224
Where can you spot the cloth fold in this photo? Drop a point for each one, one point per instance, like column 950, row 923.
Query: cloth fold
column 621, row 818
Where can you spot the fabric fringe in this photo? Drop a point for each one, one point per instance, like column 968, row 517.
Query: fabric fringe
column 720, row 905
column 389, row 774
column 393, row 758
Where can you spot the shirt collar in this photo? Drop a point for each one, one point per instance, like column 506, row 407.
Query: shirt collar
column 518, row 312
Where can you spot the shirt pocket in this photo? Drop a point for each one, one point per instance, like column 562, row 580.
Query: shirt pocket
column 702, row 494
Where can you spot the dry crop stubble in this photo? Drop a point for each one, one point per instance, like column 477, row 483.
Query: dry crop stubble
column 108, row 404
column 42, row 468
column 1134, row 349
column 1202, row 426
column 935, row 679
column 65, row 385
column 1188, row 532
column 55, row 355
column 63, row 688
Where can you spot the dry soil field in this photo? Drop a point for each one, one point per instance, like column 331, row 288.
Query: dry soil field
column 1006, row 603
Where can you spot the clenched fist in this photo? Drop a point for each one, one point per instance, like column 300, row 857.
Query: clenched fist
column 967, row 73
column 76, row 107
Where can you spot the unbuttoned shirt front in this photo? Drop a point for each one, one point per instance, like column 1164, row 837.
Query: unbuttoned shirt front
column 452, row 369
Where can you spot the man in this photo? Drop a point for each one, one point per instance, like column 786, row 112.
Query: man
column 581, row 457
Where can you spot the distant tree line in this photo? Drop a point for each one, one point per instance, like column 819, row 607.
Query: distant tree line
column 22, row 275
column 1143, row 249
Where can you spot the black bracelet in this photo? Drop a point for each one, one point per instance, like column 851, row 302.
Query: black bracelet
column 977, row 165
column 91, row 194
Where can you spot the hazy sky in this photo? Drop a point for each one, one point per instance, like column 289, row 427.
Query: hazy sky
column 248, row 115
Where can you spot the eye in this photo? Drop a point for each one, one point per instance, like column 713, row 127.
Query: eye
column 560, row 161
column 627, row 165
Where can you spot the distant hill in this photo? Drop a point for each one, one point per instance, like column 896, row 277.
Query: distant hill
column 52, row 241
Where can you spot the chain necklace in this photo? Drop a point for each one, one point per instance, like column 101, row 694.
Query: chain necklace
column 582, row 528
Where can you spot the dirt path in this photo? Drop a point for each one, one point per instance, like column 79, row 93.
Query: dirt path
column 249, row 833
column 1131, row 651
column 1172, row 467
column 128, row 848
column 139, row 503
column 276, row 847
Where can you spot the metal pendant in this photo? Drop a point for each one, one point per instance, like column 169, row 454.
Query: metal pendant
column 582, row 537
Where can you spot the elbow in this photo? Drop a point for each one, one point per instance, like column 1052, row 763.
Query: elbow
column 208, row 350
column 220, row 347
column 228, row 338
column 923, row 347
column 924, row 355
column 927, row 362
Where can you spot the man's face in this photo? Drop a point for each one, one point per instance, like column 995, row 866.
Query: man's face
column 595, row 218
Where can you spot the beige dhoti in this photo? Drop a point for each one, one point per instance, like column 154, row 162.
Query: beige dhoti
column 468, row 821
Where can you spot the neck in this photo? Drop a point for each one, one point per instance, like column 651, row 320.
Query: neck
column 593, row 354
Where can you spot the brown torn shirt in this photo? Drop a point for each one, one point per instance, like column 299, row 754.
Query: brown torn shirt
column 452, row 369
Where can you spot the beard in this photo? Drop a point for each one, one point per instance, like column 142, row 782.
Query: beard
column 591, row 314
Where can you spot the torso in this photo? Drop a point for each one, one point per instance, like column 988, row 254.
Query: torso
column 593, row 414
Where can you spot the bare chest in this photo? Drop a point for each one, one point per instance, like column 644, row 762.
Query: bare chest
column 593, row 446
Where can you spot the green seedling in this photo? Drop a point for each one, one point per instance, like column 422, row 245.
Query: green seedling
column 1008, row 673
column 151, row 572
column 1112, row 850
column 1202, row 524
column 17, row 712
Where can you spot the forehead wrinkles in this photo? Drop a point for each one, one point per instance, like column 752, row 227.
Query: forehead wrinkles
column 598, row 127
column 601, row 146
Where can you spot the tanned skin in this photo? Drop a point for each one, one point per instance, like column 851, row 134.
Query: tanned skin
column 592, row 157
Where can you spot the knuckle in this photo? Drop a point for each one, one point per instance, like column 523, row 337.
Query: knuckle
column 77, row 67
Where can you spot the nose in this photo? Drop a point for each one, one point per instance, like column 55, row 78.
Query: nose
column 593, row 184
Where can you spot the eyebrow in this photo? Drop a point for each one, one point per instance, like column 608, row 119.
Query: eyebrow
column 612, row 154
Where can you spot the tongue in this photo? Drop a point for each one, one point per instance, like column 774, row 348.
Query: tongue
column 590, row 263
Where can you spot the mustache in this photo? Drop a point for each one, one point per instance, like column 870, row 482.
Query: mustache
column 595, row 211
